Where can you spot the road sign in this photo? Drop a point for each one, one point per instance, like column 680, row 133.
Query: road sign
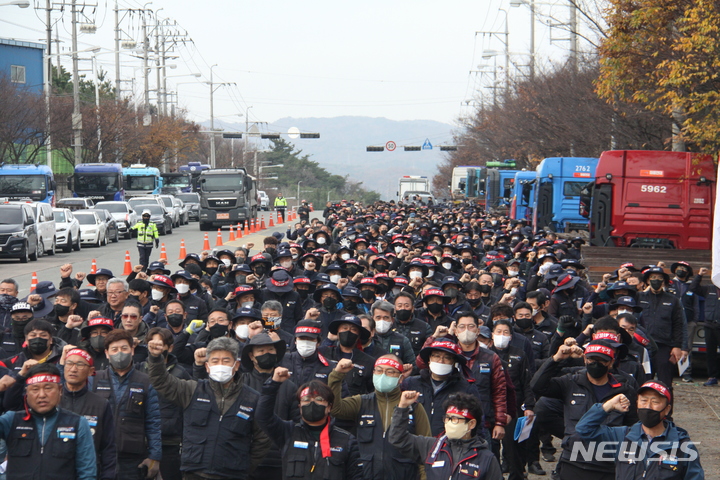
column 390, row 146
column 427, row 145
column 293, row 132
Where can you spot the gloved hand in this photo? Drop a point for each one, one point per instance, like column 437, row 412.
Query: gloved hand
column 544, row 269
column 157, row 242
column 566, row 322
column 194, row 326
column 153, row 467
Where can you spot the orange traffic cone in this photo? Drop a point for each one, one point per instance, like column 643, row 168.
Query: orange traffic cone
column 271, row 222
column 219, row 241
column 33, row 282
column 183, row 252
column 232, row 234
column 93, row 267
column 163, row 253
column 252, row 226
column 239, row 231
column 262, row 223
column 128, row 264
column 206, row 243
column 247, row 227
column 279, row 220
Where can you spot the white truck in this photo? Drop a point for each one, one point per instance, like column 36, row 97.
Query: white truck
column 410, row 185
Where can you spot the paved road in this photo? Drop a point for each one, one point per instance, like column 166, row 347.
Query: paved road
column 112, row 256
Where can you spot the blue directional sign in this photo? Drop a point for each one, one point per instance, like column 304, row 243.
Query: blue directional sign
column 427, row 145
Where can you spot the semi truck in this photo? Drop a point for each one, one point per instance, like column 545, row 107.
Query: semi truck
column 141, row 180
column 228, row 196
column 194, row 169
column 414, row 184
column 177, row 182
column 98, row 181
column 523, row 203
column 27, row 182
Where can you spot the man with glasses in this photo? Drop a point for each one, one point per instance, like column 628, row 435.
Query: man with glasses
column 459, row 453
column 117, row 294
column 133, row 324
column 370, row 412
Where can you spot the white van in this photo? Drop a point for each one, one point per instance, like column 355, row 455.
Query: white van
column 46, row 230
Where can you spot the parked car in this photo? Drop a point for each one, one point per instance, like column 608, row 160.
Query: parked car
column 67, row 230
column 168, row 201
column 45, row 224
column 184, row 211
column 18, row 232
column 263, row 200
column 92, row 228
column 135, row 202
column 111, row 226
column 74, row 203
column 192, row 201
column 124, row 215
column 160, row 217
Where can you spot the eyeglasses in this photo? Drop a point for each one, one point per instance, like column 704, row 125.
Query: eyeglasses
column 469, row 326
column 125, row 316
column 454, row 420
column 390, row 372
column 115, row 294
column 79, row 366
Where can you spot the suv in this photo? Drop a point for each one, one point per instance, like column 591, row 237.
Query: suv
column 263, row 201
column 124, row 215
column 18, row 233
column 74, row 203
column 45, row 224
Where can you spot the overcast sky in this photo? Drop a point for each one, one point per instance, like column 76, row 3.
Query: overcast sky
column 399, row 59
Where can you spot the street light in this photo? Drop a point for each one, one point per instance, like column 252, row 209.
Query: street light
column 531, row 4
column 298, row 194
column 18, row 3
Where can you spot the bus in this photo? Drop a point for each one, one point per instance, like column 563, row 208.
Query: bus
column 27, row 182
column 99, row 181
column 141, row 180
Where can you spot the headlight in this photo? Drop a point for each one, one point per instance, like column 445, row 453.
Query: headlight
column 18, row 234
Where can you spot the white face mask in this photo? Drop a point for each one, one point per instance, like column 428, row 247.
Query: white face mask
column 415, row 274
column 286, row 264
column 382, row 326
column 501, row 341
column 431, row 272
column 305, row 347
column 398, row 249
column 513, row 273
column 396, row 290
column 440, row 369
column 242, row 331
column 220, row 373
column 226, row 261
column 295, row 256
column 157, row 295
column 182, row 288
column 467, row 337
column 320, row 240
column 335, row 278
column 620, row 312
column 246, row 304
column 535, row 312
column 456, row 431
column 345, row 256
column 447, row 265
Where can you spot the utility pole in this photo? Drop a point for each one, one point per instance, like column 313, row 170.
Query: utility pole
column 212, row 120
column 97, row 108
column 573, row 37
column 77, row 116
column 48, row 81
column 158, row 81
column 117, row 52
column 164, row 75
column 532, row 40
column 247, row 125
column 146, row 70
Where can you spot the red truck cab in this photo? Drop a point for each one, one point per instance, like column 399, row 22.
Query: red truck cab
column 653, row 199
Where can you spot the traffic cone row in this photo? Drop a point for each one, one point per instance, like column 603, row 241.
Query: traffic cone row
column 127, row 270
column 206, row 243
column 219, row 241
column 163, row 252
column 33, row 282
column 183, row 252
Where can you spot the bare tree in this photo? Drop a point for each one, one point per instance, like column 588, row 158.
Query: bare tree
column 22, row 123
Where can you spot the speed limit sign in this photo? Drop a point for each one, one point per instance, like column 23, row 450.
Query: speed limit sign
column 390, row 146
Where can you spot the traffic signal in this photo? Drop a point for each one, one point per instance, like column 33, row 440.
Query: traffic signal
column 232, row 135
column 309, row 135
column 448, row 148
column 411, row 148
column 270, row 136
column 375, row 149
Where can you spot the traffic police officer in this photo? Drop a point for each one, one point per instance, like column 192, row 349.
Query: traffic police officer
column 147, row 232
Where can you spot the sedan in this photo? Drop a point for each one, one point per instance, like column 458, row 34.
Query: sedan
column 92, row 228
column 171, row 209
column 160, row 217
column 67, row 231
column 124, row 215
column 113, row 232
column 183, row 209
column 192, row 201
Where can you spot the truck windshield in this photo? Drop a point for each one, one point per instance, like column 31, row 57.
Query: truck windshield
column 97, row 182
column 146, row 182
column 189, row 197
column 22, row 184
column 217, row 183
column 176, row 181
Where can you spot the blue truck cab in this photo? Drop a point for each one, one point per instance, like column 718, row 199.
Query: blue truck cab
column 99, row 181
column 194, row 169
column 141, row 180
column 499, row 189
column 524, row 195
column 560, row 181
column 27, row 182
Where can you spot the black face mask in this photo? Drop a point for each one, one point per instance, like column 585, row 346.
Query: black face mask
column 497, row 278
column 348, row 339
column 352, row 271
column 259, row 271
column 350, row 305
column 367, row 294
column 681, row 273
column 656, row 284
column 596, row 369
column 240, row 279
column 18, row 328
column 474, row 302
column 381, row 267
column 435, row 308
column 403, row 315
column 37, row 345
column 146, row 220
column 524, row 323
column 211, row 270
column 312, row 412
column 329, row 303
column 217, row 330
column 303, row 293
column 466, row 261
column 61, row 310
column 98, row 343
column 266, row 361
column 649, row 417
column 485, row 289
column 175, row 320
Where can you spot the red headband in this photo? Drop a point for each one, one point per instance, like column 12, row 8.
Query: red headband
column 463, row 413
column 314, row 330
column 606, row 336
column 81, row 353
column 42, row 378
column 306, row 391
column 390, row 362
column 600, row 349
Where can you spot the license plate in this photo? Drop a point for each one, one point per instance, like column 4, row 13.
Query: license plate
column 223, row 216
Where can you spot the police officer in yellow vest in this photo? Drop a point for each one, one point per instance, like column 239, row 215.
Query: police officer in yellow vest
column 280, row 205
column 146, row 233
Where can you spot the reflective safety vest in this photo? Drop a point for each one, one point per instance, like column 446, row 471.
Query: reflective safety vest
column 280, row 202
column 146, row 233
